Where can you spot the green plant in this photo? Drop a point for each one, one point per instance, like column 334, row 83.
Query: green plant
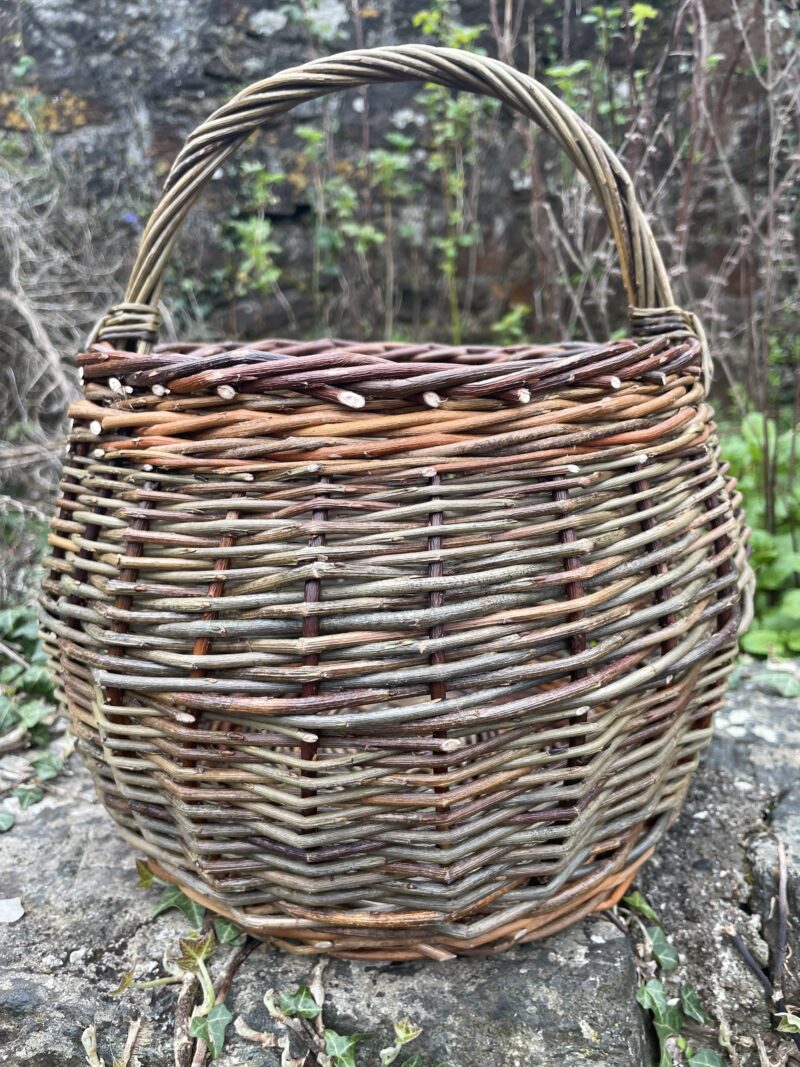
column 763, row 454
column 207, row 1021
column 390, row 172
column 27, row 705
column 299, row 1015
column 249, row 237
column 454, row 123
column 511, row 329
column 680, row 1022
column 326, row 240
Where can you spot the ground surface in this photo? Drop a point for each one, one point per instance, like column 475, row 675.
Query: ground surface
column 569, row 1000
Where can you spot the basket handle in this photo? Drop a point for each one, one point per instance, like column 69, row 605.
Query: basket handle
column 651, row 304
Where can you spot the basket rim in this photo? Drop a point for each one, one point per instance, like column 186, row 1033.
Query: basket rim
column 357, row 373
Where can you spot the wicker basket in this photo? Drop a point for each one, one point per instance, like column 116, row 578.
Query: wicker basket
column 386, row 650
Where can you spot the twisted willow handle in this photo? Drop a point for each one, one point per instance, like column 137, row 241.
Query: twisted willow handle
column 645, row 278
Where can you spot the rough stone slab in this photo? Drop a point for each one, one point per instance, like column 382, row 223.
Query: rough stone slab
column 763, row 856
column 717, row 867
column 568, row 1000
column 758, row 733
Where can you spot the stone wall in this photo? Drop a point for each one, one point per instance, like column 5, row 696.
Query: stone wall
column 118, row 84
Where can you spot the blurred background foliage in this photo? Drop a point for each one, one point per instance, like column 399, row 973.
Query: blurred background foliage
column 405, row 211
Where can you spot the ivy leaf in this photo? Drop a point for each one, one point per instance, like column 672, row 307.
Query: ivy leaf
column 36, row 680
column 40, row 734
column 706, row 1057
column 194, row 950
column 211, row 1028
column 7, row 820
column 300, row 1003
column 172, row 897
column 27, row 795
column 667, row 1019
column 8, row 714
column 341, row 1049
column 32, row 712
column 638, row 902
column 781, row 682
column 146, row 877
column 692, row 1008
column 789, row 1022
column 227, row 932
column 48, row 765
column 653, row 996
column 405, row 1031
column 663, row 950
column 668, row 1024
column 10, row 672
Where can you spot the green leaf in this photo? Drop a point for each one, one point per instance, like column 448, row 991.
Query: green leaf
column 22, row 66
column 36, row 680
column 760, row 642
column 638, row 902
column 789, row 1022
column 7, row 820
column 706, row 1057
column 211, row 1028
column 10, row 673
column 299, row 1003
column 27, row 795
column 146, row 877
column 341, row 1049
column 667, row 1026
column 172, row 897
column 32, row 712
column 227, row 932
column 692, row 1008
column 416, row 1061
column 663, row 950
column 405, row 1031
column 641, row 13
column 783, row 683
column 8, row 713
column 653, row 996
column 40, row 735
column 47, row 766
column 194, row 950
column 777, row 572
column 790, row 604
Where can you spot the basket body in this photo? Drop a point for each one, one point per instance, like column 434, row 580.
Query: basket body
column 421, row 678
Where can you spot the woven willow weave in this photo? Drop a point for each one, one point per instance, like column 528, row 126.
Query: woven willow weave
column 387, row 650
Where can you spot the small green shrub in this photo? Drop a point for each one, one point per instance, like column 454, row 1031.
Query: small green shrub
column 27, row 693
column 27, row 705
column 764, row 459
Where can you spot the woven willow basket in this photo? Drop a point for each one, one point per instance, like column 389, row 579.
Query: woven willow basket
column 386, row 650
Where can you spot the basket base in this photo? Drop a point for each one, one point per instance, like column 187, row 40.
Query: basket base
column 351, row 945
